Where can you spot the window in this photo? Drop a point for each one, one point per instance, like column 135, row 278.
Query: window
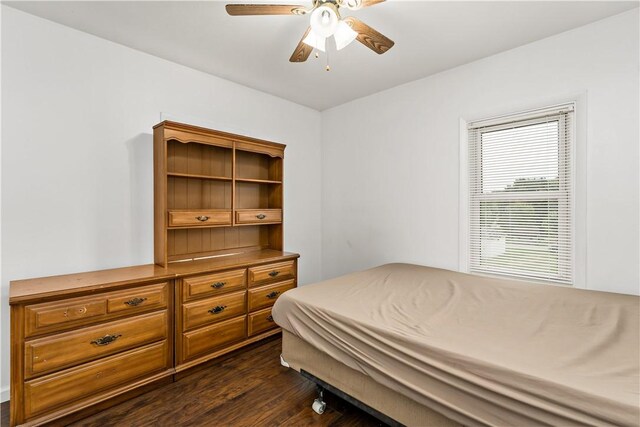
column 520, row 196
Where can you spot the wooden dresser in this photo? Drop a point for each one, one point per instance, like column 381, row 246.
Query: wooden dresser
column 219, row 311
column 83, row 341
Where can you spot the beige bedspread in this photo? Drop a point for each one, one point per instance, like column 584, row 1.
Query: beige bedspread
column 480, row 350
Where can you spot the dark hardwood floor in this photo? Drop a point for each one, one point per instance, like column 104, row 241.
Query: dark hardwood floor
column 4, row 414
column 249, row 388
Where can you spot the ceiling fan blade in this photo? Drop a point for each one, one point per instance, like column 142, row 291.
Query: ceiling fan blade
column 369, row 37
column 367, row 3
column 265, row 9
column 302, row 51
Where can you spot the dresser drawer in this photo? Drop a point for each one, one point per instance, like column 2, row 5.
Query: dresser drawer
column 204, row 340
column 257, row 216
column 138, row 299
column 199, row 218
column 212, row 284
column 84, row 381
column 74, row 312
column 71, row 348
column 266, row 296
column 272, row 272
column 212, row 310
column 64, row 314
column 261, row 321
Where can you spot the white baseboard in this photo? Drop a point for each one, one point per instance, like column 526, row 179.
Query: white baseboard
column 4, row 394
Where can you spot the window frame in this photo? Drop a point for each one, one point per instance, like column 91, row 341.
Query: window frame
column 577, row 180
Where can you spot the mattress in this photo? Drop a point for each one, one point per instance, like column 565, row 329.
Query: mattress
column 482, row 351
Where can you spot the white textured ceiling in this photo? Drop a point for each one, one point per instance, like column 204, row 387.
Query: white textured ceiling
column 254, row 50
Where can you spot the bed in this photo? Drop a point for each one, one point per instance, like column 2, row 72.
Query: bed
column 427, row 346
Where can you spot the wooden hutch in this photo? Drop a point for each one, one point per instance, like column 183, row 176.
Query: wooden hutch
column 84, row 341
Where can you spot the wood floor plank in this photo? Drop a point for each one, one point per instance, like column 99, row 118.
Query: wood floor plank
column 250, row 388
column 257, row 403
column 4, row 414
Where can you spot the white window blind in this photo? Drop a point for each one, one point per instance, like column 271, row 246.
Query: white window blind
column 520, row 188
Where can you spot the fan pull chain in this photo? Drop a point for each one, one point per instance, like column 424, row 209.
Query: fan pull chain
column 328, row 67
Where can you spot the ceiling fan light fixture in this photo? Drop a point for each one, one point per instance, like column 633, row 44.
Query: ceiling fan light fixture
column 315, row 41
column 324, row 20
column 344, row 35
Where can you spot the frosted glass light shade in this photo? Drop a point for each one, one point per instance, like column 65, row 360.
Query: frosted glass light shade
column 344, row 35
column 314, row 41
column 353, row 4
column 324, row 20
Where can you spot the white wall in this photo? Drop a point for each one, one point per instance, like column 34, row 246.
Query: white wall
column 391, row 160
column 77, row 179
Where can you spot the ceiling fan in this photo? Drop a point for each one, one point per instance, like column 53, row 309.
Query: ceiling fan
column 325, row 22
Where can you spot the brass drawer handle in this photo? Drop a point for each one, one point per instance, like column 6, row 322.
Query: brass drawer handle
column 217, row 309
column 135, row 301
column 218, row 285
column 261, row 216
column 270, row 318
column 202, row 218
column 106, row 340
column 274, row 273
column 273, row 294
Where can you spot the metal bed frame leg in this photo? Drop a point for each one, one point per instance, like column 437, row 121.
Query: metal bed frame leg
column 319, row 405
